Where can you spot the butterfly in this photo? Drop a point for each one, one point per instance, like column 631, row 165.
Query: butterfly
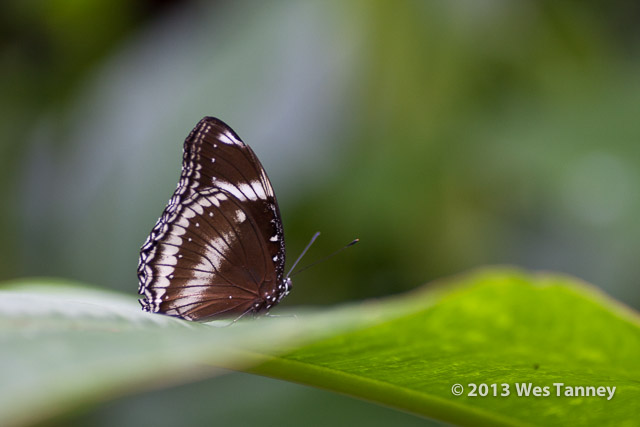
column 218, row 249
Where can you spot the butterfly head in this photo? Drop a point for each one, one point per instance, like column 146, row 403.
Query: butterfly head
column 286, row 284
column 271, row 298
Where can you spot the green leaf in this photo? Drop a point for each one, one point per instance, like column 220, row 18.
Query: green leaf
column 492, row 327
column 64, row 346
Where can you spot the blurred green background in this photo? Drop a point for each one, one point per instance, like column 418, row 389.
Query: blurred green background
column 446, row 135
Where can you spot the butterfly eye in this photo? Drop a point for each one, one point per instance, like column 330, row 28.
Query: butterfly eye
column 218, row 248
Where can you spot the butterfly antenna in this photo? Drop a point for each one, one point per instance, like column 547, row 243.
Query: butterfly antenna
column 313, row 239
column 323, row 259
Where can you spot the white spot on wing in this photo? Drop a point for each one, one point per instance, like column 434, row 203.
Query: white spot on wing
column 237, row 191
column 240, row 216
column 258, row 189
column 215, row 251
column 227, row 138
column 263, row 175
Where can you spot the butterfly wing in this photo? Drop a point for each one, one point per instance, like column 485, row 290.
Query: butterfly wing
column 218, row 248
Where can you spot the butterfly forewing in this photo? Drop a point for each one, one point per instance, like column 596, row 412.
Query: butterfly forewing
column 218, row 248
